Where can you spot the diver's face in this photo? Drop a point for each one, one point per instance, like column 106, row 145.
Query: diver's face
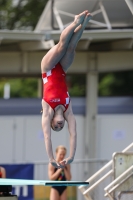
column 58, row 123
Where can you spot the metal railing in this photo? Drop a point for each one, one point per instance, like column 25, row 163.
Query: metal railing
column 107, row 174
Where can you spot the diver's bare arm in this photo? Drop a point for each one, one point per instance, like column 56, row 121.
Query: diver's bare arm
column 73, row 135
column 47, row 136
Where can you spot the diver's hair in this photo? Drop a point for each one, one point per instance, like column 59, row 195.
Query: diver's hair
column 61, row 147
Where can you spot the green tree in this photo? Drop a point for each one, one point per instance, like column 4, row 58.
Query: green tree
column 76, row 85
column 22, row 87
column 116, row 84
column 5, row 7
column 24, row 15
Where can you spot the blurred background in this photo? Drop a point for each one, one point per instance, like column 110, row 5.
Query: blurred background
column 100, row 83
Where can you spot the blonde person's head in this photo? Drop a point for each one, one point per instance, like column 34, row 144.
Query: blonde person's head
column 60, row 153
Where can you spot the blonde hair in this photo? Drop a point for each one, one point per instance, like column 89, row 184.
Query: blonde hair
column 61, row 147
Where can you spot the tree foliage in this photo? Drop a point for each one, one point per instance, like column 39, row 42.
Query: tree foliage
column 24, row 15
column 116, row 84
column 20, row 87
column 76, row 85
column 109, row 84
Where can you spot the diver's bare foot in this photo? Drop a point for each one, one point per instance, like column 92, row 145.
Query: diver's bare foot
column 80, row 18
column 84, row 23
column 86, row 20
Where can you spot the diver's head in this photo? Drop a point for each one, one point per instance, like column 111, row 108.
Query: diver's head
column 58, row 122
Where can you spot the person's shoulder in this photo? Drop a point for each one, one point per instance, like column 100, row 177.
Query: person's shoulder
column 44, row 103
column 69, row 113
column 51, row 167
column 2, row 169
column 46, row 109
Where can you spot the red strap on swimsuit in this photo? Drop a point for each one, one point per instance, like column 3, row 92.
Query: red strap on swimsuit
column 0, row 174
column 54, row 87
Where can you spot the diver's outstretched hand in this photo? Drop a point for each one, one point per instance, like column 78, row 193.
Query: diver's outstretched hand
column 56, row 164
column 66, row 161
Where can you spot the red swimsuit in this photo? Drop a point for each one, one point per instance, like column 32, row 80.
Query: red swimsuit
column 54, row 87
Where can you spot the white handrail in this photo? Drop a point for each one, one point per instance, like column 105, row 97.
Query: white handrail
column 85, row 191
column 111, row 190
column 105, row 166
column 118, row 178
column 99, row 181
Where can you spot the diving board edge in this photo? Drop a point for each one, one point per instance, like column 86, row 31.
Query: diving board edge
column 67, row 183
column 5, row 181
